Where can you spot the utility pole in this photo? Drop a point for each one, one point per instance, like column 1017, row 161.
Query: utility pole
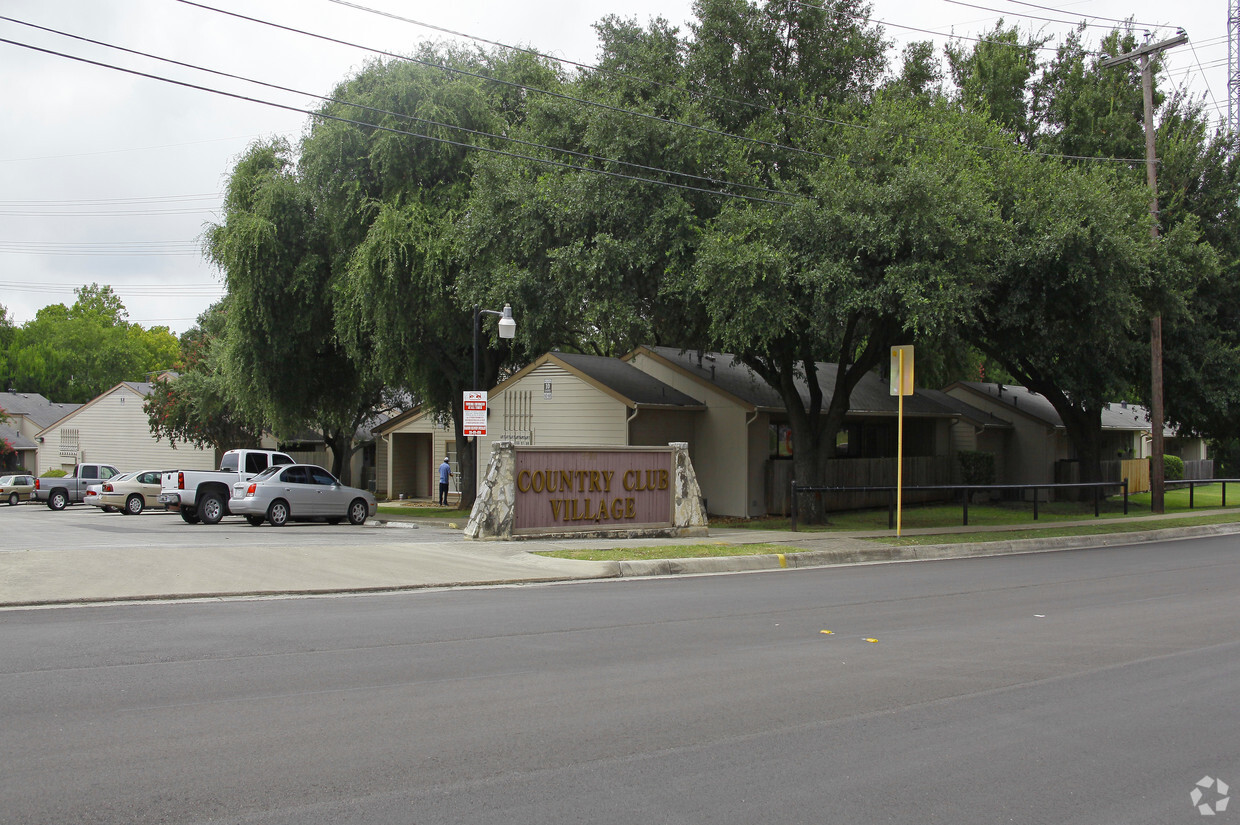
column 1233, row 66
column 1143, row 54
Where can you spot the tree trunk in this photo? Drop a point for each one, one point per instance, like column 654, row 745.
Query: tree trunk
column 466, row 454
column 339, row 442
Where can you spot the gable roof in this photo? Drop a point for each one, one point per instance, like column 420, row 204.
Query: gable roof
column 19, row 441
column 35, row 407
column 974, row 415
column 872, row 395
column 1115, row 416
column 140, row 389
column 624, row 381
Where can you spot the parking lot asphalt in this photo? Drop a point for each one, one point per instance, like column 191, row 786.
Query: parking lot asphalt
column 82, row 556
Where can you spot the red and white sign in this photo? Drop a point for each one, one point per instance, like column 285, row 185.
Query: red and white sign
column 474, row 417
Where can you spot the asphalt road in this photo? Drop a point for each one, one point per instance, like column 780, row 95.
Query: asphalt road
column 1077, row 687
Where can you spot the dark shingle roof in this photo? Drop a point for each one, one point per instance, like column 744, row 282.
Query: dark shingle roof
column 627, row 380
column 39, row 410
column 872, row 395
column 19, row 441
column 1121, row 416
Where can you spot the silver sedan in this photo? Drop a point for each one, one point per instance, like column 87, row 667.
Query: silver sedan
column 299, row 492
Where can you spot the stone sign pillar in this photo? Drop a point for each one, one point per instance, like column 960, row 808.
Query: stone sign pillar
column 628, row 492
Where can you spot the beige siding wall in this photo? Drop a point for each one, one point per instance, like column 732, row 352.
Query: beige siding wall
column 1031, row 447
column 407, row 458
column 113, row 429
column 383, row 446
column 732, row 480
column 576, row 414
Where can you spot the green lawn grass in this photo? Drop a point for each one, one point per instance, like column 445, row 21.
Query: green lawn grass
column 999, row 514
column 1051, row 532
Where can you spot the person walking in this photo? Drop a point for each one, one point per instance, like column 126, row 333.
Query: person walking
column 445, row 471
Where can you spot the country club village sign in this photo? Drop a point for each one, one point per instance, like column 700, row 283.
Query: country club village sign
column 533, row 492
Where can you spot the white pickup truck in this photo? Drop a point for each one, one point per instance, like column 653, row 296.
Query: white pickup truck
column 202, row 495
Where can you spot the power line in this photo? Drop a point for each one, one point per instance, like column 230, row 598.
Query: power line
column 1093, row 16
column 324, row 116
column 1030, row 16
column 813, row 118
column 411, row 118
column 522, row 87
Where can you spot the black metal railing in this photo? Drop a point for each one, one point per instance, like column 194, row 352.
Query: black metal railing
column 967, row 489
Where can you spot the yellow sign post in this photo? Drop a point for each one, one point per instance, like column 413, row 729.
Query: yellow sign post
column 901, row 385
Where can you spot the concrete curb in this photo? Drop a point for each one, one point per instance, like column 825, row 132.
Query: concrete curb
column 926, row 552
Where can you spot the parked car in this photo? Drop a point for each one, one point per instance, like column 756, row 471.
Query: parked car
column 130, row 493
column 16, row 489
column 204, row 495
column 91, row 496
column 58, row 492
column 300, row 492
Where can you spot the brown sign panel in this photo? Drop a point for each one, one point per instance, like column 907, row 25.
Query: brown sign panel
column 590, row 490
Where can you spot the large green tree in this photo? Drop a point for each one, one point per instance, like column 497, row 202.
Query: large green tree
column 283, row 356
column 73, row 353
column 199, row 406
column 395, row 194
column 894, row 242
column 1070, row 315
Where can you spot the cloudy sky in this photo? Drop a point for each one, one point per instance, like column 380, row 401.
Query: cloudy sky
column 108, row 177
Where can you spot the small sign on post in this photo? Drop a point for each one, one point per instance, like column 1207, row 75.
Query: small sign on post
column 901, row 385
column 474, row 413
column 902, row 377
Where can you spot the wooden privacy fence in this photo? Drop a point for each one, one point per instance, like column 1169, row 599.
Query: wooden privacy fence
column 864, row 474
column 1137, row 471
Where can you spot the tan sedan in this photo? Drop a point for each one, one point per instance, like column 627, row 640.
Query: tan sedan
column 16, row 488
column 130, row 493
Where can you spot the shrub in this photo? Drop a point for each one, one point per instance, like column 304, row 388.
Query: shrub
column 1173, row 468
column 55, row 474
column 976, row 466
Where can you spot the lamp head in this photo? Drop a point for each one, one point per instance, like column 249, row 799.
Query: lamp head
column 507, row 326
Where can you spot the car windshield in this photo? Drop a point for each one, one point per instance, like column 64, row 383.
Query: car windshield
column 268, row 473
column 123, row 477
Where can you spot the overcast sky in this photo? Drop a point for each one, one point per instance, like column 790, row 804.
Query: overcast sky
column 109, row 178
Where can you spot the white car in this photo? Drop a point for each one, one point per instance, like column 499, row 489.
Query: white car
column 300, row 492
column 130, row 493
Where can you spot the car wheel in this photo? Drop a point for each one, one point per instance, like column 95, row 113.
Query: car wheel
column 13, row 499
column 278, row 513
column 58, row 499
column 134, row 505
column 189, row 515
column 254, row 520
column 211, row 509
column 358, row 511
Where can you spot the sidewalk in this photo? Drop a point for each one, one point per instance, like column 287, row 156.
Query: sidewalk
column 92, row 575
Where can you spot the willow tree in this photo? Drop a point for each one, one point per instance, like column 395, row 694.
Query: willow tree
column 283, row 356
column 391, row 164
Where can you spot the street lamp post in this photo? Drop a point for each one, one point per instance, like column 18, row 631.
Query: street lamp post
column 507, row 329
